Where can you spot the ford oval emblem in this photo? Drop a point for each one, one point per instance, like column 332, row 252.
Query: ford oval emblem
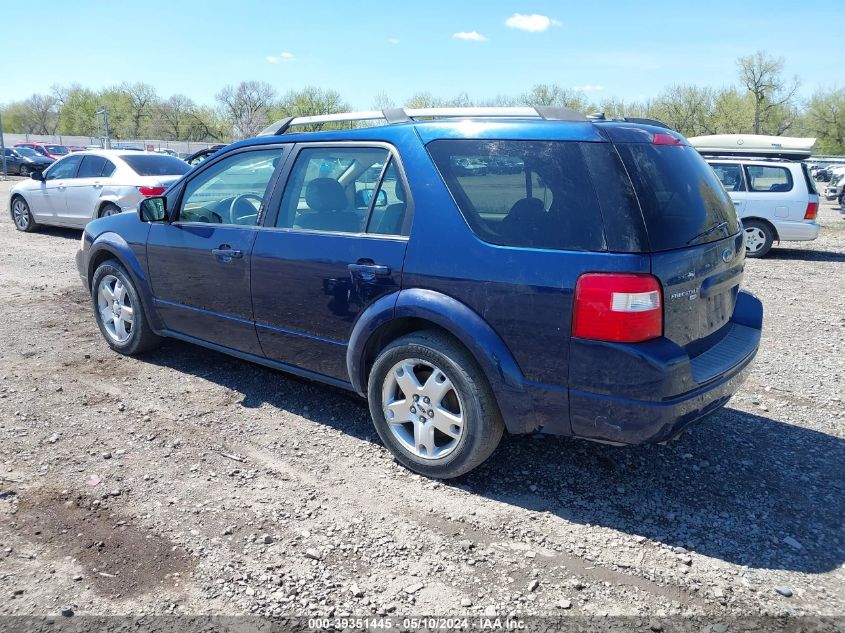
column 727, row 255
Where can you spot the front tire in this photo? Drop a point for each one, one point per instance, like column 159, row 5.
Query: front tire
column 119, row 312
column 432, row 406
column 22, row 216
column 759, row 237
column 23, row 170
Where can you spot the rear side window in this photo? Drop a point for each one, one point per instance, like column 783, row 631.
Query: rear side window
column 730, row 175
column 145, row 165
column 91, row 167
column 768, row 178
column 680, row 196
column 811, row 186
column 535, row 194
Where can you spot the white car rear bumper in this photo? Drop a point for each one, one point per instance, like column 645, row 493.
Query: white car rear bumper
column 797, row 231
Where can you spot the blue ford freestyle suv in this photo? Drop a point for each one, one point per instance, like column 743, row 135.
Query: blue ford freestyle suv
column 467, row 271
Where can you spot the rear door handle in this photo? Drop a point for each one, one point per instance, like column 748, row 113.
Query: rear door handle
column 368, row 271
column 97, row 185
column 226, row 253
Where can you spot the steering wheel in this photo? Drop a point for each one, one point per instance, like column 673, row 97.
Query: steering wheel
column 244, row 197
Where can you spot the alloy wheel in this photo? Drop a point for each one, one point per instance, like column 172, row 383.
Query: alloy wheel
column 755, row 239
column 20, row 214
column 115, row 309
column 423, row 409
column 24, row 170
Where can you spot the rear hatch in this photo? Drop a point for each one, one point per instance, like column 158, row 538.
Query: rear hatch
column 695, row 242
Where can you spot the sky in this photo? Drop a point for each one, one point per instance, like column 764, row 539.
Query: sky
column 630, row 50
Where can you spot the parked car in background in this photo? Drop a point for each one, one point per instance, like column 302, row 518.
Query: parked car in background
column 197, row 157
column 46, row 149
column 91, row 184
column 836, row 186
column 595, row 294
column 127, row 148
column 776, row 199
column 75, row 148
column 23, row 161
column 822, row 174
column 168, row 151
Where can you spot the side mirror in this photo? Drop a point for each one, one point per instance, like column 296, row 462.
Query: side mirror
column 37, row 175
column 153, row 209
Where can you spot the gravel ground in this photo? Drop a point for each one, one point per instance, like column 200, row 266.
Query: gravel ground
column 190, row 482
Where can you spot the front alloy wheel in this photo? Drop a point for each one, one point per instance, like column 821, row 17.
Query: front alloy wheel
column 115, row 308
column 21, row 216
column 119, row 311
column 24, row 170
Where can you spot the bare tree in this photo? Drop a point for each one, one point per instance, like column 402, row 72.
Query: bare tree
column 41, row 114
column 382, row 101
column 141, row 99
column 774, row 97
column 175, row 116
column 247, row 106
column 554, row 95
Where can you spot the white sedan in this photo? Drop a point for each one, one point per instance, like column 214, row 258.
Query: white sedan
column 84, row 186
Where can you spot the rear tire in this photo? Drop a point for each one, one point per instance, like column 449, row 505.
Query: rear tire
column 22, row 216
column 444, row 420
column 119, row 312
column 759, row 237
column 109, row 209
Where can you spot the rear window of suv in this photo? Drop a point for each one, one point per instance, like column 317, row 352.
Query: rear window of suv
column 145, row 165
column 680, row 196
column 536, row 194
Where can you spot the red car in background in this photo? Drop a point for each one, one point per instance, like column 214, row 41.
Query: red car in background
column 46, row 149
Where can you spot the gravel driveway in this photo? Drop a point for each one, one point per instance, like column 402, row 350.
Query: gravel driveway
column 190, row 482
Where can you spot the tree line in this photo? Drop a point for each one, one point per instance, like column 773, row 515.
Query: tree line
column 762, row 101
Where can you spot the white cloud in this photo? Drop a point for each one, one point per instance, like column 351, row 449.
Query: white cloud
column 533, row 23
column 589, row 87
column 473, row 36
column 283, row 57
column 393, row 40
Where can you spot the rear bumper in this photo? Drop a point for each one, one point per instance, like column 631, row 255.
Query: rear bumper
column 797, row 231
column 650, row 392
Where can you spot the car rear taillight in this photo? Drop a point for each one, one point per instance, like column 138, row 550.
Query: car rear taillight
column 665, row 139
column 618, row 307
column 812, row 211
column 149, row 192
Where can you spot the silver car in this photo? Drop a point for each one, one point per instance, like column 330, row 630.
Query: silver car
column 84, row 186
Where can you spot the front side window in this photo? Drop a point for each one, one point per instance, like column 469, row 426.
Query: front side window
column 536, row 194
column 768, row 178
column 230, row 191
column 64, row 168
column 730, row 175
column 334, row 189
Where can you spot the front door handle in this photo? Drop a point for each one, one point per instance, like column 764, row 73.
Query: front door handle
column 226, row 253
column 369, row 271
column 97, row 185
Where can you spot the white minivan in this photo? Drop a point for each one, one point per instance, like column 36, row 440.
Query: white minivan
column 776, row 199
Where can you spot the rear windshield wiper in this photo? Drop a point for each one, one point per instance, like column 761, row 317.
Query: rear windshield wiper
column 712, row 229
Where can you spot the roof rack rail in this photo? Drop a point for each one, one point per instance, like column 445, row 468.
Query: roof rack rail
column 406, row 115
